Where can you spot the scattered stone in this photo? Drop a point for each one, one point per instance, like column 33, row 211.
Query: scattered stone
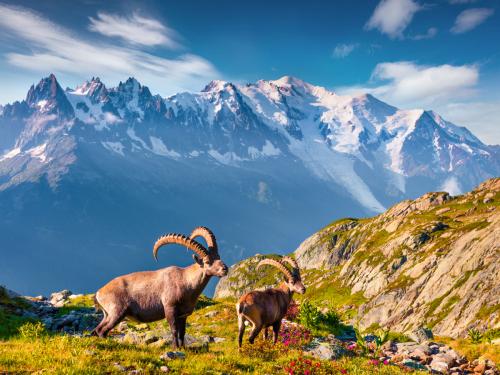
column 209, row 339
column 164, row 369
column 443, row 210
column 489, row 197
column 123, row 326
column 439, row 367
column 58, row 299
column 331, row 350
column 168, row 356
column 421, row 334
column 211, row 314
column 161, row 343
column 412, row 364
column 119, row 367
column 389, row 346
column 150, row 338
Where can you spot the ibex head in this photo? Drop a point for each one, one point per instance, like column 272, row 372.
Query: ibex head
column 209, row 259
column 293, row 279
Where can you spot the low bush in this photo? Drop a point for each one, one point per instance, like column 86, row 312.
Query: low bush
column 32, row 330
column 311, row 317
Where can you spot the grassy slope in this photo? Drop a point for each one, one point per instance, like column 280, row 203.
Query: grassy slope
column 64, row 354
column 459, row 215
column 70, row 355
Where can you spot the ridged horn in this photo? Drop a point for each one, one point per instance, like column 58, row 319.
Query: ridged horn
column 276, row 264
column 290, row 261
column 207, row 235
column 180, row 240
column 293, row 263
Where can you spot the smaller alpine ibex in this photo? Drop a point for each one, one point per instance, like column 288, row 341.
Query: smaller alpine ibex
column 169, row 293
column 265, row 308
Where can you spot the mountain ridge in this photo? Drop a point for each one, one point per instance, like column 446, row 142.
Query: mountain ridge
column 103, row 171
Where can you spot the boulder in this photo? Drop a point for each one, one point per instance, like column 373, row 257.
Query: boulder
column 58, row 299
column 321, row 349
column 421, row 334
column 168, row 356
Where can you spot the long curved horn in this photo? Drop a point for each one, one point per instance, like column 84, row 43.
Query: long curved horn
column 207, row 235
column 180, row 240
column 290, row 261
column 293, row 263
column 276, row 264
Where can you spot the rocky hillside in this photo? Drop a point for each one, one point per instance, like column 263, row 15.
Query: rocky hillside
column 433, row 261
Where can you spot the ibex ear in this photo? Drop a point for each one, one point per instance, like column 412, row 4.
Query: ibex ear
column 198, row 260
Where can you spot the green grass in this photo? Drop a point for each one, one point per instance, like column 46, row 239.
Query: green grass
column 10, row 322
column 84, row 301
column 331, row 293
column 69, row 355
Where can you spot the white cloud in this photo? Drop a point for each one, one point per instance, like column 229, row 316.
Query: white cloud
column 343, row 50
column 431, row 33
column 452, row 186
column 391, row 17
column 447, row 89
column 470, row 18
column 480, row 117
column 54, row 49
column 134, row 29
column 405, row 83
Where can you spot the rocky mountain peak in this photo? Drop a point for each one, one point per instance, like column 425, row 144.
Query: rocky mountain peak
column 48, row 97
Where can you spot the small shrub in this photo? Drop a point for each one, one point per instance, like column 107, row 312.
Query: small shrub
column 475, row 336
column 491, row 334
column 32, row 330
column 204, row 301
column 311, row 317
column 361, row 344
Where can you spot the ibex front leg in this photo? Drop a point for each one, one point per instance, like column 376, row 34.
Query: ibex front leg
column 173, row 323
column 181, row 330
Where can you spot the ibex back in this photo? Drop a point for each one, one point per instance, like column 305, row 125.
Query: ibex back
column 169, row 293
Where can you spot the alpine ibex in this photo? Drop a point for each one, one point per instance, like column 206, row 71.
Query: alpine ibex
column 169, row 293
column 265, row 308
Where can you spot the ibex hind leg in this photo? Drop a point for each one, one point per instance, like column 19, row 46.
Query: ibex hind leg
column 257, row 327
column 98, row 306
column 276, row 330
column 241, row 329
column 110, row 322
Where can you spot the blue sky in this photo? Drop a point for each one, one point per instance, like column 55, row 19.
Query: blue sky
column 442, row 54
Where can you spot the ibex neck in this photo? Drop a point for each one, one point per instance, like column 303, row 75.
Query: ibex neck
column 196, row 277
column 286, row 290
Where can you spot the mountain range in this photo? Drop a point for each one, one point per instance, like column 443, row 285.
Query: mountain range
column 90, row 176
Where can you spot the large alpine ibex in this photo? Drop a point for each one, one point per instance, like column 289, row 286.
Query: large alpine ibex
column 265, row 308
column 169, row 293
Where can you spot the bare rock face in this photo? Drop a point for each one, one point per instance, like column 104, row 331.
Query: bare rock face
column 58, row 299
column 432, row 262
column 243, row 277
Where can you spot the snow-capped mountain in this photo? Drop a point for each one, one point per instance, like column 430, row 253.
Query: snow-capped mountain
column 264, row 164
